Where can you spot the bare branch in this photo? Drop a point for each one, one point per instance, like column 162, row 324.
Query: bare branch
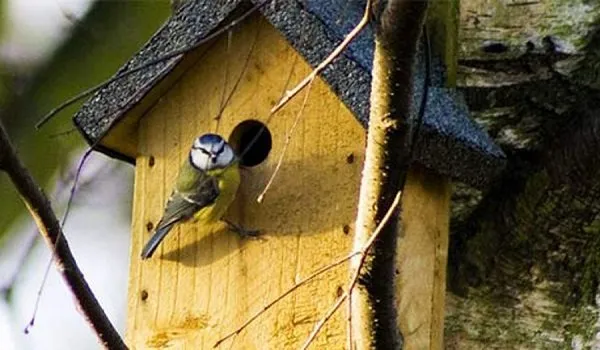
column 397, row 25
column 40, row 209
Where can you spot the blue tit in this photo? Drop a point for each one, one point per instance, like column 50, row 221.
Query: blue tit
column 206, row 185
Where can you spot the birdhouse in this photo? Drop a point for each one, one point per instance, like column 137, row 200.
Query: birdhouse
column 205, row 280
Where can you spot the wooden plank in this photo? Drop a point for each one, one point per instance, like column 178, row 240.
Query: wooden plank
column 422, row 256
column 204, row 281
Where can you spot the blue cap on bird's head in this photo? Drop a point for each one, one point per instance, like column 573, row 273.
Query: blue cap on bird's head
column 210, row 139
column 211, row 151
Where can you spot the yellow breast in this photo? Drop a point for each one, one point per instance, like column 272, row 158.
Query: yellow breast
column 228, row 180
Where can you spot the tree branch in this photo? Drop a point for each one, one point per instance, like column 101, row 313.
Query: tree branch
column 397, row 26
column 40, row 209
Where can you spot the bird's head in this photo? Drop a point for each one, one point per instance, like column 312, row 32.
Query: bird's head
column 211, row 151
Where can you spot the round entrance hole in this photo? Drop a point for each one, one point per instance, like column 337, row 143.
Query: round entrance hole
column 251, row 141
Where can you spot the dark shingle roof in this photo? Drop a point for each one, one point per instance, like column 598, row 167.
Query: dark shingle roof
column 450, row 143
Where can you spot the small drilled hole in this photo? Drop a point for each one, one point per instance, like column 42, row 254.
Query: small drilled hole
column 350, row 158
column 143, row 295
column 151, row 161
column 251, row 141
column 149, row 226
column 346, row 229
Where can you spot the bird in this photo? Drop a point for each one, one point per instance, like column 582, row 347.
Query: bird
column 205, row 187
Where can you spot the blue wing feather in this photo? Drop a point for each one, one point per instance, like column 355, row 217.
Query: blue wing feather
column 157, row 237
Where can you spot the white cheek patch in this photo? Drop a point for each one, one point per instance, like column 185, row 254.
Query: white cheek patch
column 200, row 160
column 225, row 158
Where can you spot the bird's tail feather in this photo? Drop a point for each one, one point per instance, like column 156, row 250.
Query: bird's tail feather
column 157, row 237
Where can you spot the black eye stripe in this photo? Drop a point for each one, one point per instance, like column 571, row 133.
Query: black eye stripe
column 201, row 150
column 211, row 153
column 221, row 148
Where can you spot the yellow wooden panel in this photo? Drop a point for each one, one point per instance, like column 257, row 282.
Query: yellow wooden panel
column 422, row 256
column 204, row 281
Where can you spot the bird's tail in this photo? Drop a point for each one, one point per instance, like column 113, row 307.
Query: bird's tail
column 157, row 237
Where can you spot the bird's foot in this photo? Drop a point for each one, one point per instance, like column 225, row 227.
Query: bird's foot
column 243, row 232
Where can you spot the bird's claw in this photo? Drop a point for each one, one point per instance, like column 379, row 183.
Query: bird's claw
column 243, row 232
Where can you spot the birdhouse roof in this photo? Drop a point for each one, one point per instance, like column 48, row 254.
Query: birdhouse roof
column 450, row 142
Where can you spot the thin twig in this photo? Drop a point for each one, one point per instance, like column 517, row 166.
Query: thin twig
column 333, row 55
column 297, row 285
column 58, row 238
column 145, row 65
column 288, row 139
column 324, row 320
column 58, row 134
column 40, row 209
column 30, row 241
column 225, row 103
column 225, row 79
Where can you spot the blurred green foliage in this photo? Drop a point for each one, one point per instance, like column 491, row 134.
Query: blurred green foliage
column 111, row 33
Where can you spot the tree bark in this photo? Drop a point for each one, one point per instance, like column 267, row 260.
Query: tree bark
column 525, row 252
column 397, row 29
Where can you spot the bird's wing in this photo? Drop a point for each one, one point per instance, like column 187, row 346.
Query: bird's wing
column 183, row 204
column 192, row 193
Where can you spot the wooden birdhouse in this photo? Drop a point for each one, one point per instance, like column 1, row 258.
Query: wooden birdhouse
column 204, row 281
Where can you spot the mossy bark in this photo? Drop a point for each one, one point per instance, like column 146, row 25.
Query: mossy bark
column 525, row 253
